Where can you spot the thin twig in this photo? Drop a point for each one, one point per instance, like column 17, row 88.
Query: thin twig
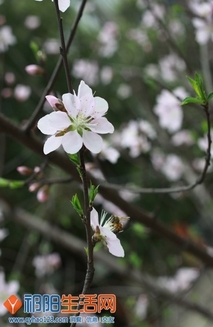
column 189, row 187
column 87, row 210
column 90, row 261
column 33, row 119
column 63, row 49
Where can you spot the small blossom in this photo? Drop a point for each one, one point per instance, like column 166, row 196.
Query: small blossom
column 22, row 92
column 105, row 232
column 171, row 165
column 79, row 125
column 106, row 75
column 34, row 187
column 43, row 194
column 46, row 264
column 32, row 22
column 181, row 281
column 51, row 46
column 34, row 70
column 55, row 103
column 170, row 66
column 183, row 137
column 168, row 109
column 203, row 21
column 6, row 38
column 24, row 170
column 87, row 70
column 109, row 153
column 124, row 91
column 108, row 39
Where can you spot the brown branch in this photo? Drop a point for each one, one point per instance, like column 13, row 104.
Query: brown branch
column 132, row 211
column 63, row 49
column 90, row 263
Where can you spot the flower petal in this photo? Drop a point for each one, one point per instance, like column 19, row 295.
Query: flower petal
column 71, row 103
column 101, row 126
column 72, row 142
column 107, row 233
column 63, row 5
column 101, row 107
column 115, row 247
column 52, row 143
column 87, row 105
column 94, row 219
column 54, row 122
column 92, row 141
column 84, row 89
column 53, row 101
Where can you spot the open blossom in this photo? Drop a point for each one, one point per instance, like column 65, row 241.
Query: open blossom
column 203, row 21
column 62, row 4
column 182, row 280
column 6, row 38
column 105, row 232
column 46, row 264
column 78, row 121
column 168, row 109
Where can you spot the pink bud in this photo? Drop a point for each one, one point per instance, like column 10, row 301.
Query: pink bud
column 37, row 169
column 34, row 70
column 43, row 194
column 24, row 170
column 33, row 187
column 55, row 103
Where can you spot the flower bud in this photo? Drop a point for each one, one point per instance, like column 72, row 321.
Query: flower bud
column 55, row 103
column 43, row 194
column 24, row 170
column 33, row 187
column 34, row 70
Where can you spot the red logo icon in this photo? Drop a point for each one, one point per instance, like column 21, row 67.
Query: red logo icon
column 12, row 304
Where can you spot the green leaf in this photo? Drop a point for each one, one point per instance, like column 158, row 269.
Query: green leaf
column 191, row 100
column 197, row 85
column 34, row 47
column 93, row 191
column 77, row 205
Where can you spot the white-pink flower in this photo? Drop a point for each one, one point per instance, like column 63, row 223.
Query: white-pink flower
column 104, row 232
column 77, row 123
column 168, row 109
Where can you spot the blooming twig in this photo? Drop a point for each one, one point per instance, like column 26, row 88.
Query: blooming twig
column 32, row 120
